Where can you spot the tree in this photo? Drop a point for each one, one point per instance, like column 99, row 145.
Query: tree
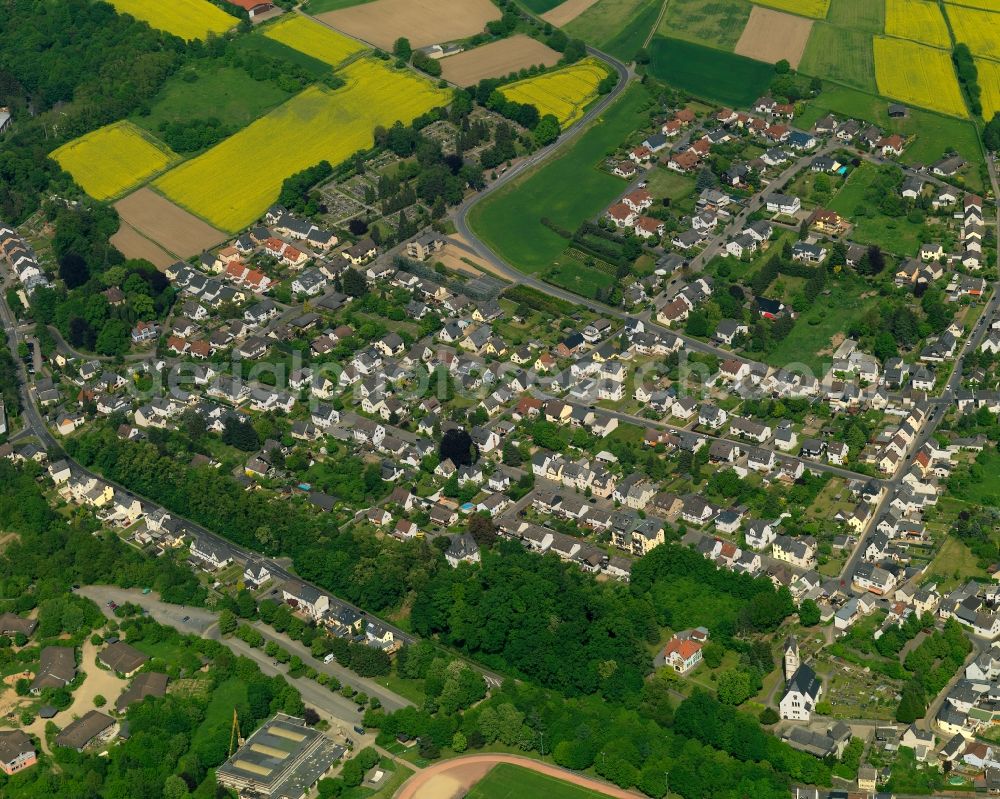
column 547, row 130
column 991, row 133
column 457, row 446
column 782, row 67
column 809, row 613
column 402, row 48
column 735, row 686
column 355, row 284
column 227, row 621
column 481, row 528
column 459, row 742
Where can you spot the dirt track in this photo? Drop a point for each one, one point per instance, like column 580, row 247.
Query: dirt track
column 567, row 11
column 423, row 22
column 774, row 35
column 496, row 60
column 169, row 225
column 451, row 779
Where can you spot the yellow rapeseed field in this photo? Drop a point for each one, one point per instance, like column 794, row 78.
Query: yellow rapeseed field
column 108, row 161
column 918, row 20
column 989, row 5
column 189, row 19
column 989, row 82
column 231, row 184
column 816, row 9
column 313, row 38
column 917, row 74
column 976, row 28
column 564, row 92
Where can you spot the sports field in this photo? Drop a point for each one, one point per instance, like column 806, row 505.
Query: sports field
column 709, row 73
column 840, row 54
column 189, row 19
column 111, row 160
column 915, row 73
column 509, row 220
column 977, row 28
column 310, row 37
column 989, row 82
column 564, row 92
column 511, row 782
column 917, row 20
column 231, row 184
column 717, row 22
column 807, row 8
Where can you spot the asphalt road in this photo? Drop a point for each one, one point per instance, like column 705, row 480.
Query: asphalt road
column 203, row 623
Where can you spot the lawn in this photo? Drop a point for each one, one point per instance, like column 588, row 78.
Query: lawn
column 915, row 73
column 662, row 182
column 715, row 22
column 711, row 74
column 954, row 564
column 862, row 15
column 804, row 8
column 564, row 93
column 509, row 220
column 977, row 28
column 512, row 782
column 934, row 134
column 188, row 19
column 313, row 38
column 571, row 273
column 840, row 54
column 919, row 20
column 895, row 235
column 809, row 341
column 984, row 486
column 210, row 89
column 221, row 185
column 109, row 161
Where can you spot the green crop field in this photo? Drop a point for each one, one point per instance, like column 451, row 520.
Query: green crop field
column 840, row 54
column 626, row 43
column 711, row 74
column 541, row 6
column 603, row 20
column 715, row 22
column 209, row 89
column 509, row 221
column 322, row 6
column 572, row 274
column 511, row 782
column 862, row 15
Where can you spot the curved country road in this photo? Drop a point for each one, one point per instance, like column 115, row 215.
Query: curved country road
column 462, row 768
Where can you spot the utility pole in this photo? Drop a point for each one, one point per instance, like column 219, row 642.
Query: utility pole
column 541, row 740
column 666, row 781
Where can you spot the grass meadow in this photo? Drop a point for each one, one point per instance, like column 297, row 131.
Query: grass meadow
column 840, row 54
column 715, row 22
column 567, row 190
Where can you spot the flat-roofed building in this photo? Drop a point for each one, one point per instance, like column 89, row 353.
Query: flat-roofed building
column 284, row 759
